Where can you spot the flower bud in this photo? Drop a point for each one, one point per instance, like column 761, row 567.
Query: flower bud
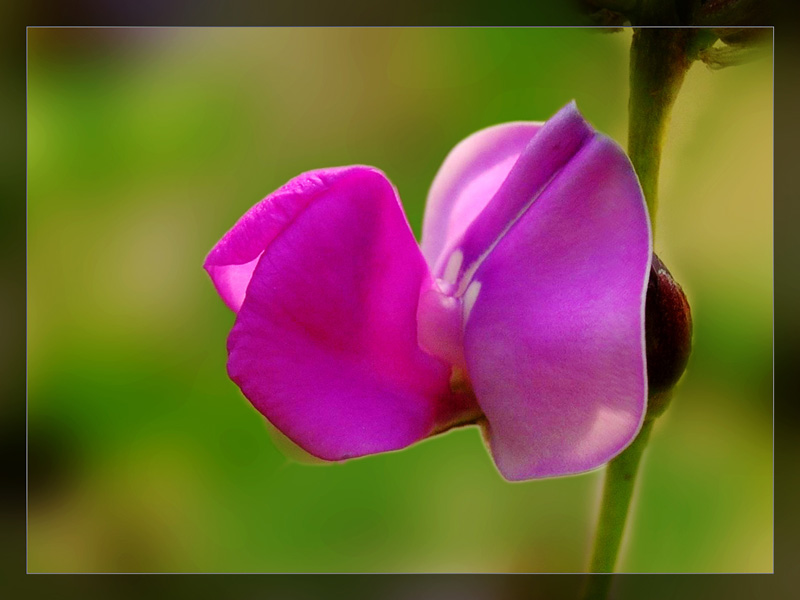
column 668, row 331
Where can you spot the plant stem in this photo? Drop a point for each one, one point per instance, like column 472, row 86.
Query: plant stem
column 658, row 65
column 618, row 489
column 659, row 61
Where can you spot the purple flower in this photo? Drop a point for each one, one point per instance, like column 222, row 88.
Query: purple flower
column 529, row 286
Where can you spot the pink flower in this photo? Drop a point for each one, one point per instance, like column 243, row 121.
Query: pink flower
column 529, row 285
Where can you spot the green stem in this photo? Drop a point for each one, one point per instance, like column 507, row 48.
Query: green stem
column 659, row 61
column 617, row 493
column 658, row 65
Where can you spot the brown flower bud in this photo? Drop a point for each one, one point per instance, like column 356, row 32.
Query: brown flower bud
column 668, row 330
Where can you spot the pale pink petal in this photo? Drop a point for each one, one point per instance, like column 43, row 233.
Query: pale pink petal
column 553, row 146
column 467, row 180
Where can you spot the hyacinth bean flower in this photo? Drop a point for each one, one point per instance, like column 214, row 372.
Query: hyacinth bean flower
column 522, row 311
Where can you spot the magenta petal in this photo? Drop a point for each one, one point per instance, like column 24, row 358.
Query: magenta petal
column 467, row 180
column 325, row 342
column 231, row 262
column 554, row 332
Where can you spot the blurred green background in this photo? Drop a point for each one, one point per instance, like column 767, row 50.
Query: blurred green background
column 146, row 145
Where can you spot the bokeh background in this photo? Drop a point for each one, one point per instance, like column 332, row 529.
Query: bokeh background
column 146, row 145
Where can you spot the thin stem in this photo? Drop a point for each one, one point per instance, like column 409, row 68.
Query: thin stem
column 659, row 61
column 617, row 493
column 618, row 490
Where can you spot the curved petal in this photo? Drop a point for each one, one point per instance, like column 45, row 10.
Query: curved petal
column 324, row 344
column 554, row 325
column 231, row 262
column 467, row 180
column 555, row 144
